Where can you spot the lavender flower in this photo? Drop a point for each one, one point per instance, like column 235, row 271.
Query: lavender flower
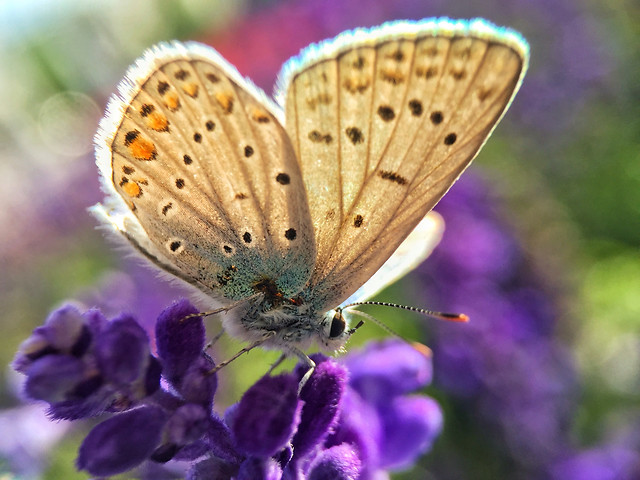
column 83, row 365
column 506, row 366
column 336, row 428
column 603, row 463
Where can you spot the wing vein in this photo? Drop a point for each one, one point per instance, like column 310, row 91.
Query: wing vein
column 339, row 135
column 370, row 176
column 252, row 197
column 265, row 172
column 478, row 118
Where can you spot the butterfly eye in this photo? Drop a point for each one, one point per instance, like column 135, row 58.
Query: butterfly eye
column 338, row 325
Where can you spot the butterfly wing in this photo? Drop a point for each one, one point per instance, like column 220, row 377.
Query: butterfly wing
column 383, row 122
column 412, row 252
column 202, row 178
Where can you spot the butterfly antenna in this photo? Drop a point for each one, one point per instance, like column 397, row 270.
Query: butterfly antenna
column 373, row 319
column 420, row 347
column 451, row 317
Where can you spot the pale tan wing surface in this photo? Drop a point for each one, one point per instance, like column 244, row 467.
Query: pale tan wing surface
column 202, row 176
column 383, row 124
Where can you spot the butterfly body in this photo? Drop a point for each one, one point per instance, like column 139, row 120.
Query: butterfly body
column 285, row 325
column 285, row 211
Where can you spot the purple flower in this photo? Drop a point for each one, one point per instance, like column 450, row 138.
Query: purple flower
column 332, row 429
column 604, row 463
column 122, row 442
column 267, row 416
column 83, row 365
column 506, row 365
column 382, row 376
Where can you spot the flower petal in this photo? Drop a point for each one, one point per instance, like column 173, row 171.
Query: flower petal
column 359, row 426
column 336, row 463
column 212, row 469
column 321, row 395
column 410, row 425
column 267, row 415
column 198, row 385
column 220, row 442
column 63, row 328
column 180, row 340
column 255, row 468
column 186, row 425
column 387, row 369
column 122, row 442
column 53, row 377
column 122, row 350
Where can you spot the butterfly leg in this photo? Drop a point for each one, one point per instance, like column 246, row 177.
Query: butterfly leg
column 275, row 365
column 246, row 349
column 305, row 359
column 224, row 309
column 213, row 341
column 206, row 314
column 307, row 375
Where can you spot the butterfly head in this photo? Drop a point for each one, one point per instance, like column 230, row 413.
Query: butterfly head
column 333, row 333
column 335, row 330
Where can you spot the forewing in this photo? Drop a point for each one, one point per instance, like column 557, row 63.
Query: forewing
column 384, row 121
column 411, row 253
column 201, row 176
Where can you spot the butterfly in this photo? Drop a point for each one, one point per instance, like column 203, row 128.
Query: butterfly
column 286, row 211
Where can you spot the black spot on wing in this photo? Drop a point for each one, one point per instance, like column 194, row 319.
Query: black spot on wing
column 392, row 177
column 386, row 113
column 283, row 179
column 415, row 106
column 355, row 135
column 450, row 139
column 316, row 137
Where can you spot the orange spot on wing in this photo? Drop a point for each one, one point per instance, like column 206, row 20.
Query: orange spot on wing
column 321, row 98
column 392, row 76
column 132, row 189
column 353, row 84
column 191, row 89
column 142, row 149
column 158, row 122
column 225, row 100
column 260, row 116
column 172, row 101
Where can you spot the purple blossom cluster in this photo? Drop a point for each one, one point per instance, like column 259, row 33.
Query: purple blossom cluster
column 507, row 365
column 353, row 419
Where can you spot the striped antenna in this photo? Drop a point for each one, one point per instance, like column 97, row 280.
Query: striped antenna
column 451, row 317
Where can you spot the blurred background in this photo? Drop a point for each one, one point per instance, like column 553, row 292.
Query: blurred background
column 541, row 247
